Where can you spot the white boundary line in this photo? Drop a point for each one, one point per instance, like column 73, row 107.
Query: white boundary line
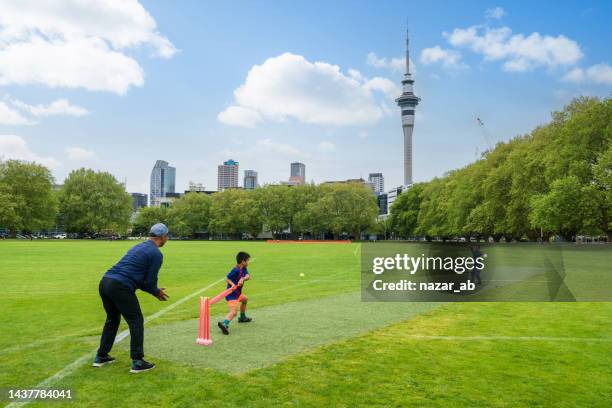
column 72, row 367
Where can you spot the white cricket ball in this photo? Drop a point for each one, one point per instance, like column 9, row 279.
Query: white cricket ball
column 301, row 275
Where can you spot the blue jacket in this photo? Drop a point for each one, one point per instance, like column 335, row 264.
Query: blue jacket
column 139, row 267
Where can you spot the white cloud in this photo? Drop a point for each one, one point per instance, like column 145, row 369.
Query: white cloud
column 327, row 147
column 384, row 85
column 240, row 116
column 397, row 64
column 495, row 13
column 57, row 107
column 76, row 44
column 79, row 153
column 15, row 147
column 448, row 58
column 9, row 116
column 519, row 52
column 290, row 87
column 597, row 74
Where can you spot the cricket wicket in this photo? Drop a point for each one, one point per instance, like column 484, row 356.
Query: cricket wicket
column 204, row 329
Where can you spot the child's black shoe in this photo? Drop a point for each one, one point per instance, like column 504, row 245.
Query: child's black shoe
column 223, row 327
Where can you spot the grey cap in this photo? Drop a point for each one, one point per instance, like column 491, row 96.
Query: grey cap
column 158, row 230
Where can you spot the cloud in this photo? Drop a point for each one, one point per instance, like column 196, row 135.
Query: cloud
column 9, row 116
column 397, row 64
column 57, row 107
column 16, row 148
column 240, row 116
column 76, row 44
column 495, row 13
column 448, row 58
column 267, row 145
column 597, row 74
column 519, row 52
column 79, row 153
column 327, row 147
column 290, row 87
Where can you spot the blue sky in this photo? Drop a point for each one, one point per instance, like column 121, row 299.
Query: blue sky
column 117, row 88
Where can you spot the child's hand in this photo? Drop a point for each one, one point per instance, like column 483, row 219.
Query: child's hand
column 241, row 282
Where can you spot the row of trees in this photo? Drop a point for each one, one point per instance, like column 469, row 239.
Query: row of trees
column 92, row 202
column 307, row 209
column 88, row 202
column 555, row 180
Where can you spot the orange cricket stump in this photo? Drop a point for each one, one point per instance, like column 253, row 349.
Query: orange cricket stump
column 204, row 329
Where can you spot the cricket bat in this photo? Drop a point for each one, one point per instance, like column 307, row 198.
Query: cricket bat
column 222, row 295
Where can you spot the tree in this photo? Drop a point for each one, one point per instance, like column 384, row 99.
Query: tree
column 566, row 209
column 602, row 172
column 234, row 212
column 189, row 215
column 405, row 211
column 94, row 202
column 26, row 195
column 147, row 217
column 273, row 207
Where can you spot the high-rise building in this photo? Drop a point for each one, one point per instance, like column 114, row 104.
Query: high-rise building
column 250, row 180
column 379, row 182
column 227, row 176
column 407, row 102
column 139, row 200
column 298, row 173
column 163, row 179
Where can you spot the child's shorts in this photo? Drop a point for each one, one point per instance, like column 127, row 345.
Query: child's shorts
column 232, row 302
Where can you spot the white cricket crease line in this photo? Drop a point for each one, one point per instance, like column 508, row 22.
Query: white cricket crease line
column 512, row 338
column 356, row 249
column 70, row 368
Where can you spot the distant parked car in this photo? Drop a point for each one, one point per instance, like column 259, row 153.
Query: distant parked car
column 60, row 236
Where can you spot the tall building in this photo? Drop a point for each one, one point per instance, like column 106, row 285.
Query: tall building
column 298, row 173
column 227, row 175
column 250, row 180
column 163, row 179
column 407, row 102
column 139, row 200
column 379, row 182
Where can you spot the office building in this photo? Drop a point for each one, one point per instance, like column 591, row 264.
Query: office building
column 163, row 178
column 250, row 180
column 379, row 182
column 298, row 173
column 227, row 175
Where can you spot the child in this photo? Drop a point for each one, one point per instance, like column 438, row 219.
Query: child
column 235, row 280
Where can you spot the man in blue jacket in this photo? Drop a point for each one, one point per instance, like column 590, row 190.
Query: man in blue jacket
column 137, row 269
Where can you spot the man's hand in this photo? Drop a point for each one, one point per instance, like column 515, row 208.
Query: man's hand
column 162, row 296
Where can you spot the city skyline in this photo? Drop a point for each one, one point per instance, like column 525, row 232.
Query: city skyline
column 189, row 90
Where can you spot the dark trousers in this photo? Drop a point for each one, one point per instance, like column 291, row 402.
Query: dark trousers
column 119, row 300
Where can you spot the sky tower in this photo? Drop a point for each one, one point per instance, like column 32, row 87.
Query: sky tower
column 407, row 102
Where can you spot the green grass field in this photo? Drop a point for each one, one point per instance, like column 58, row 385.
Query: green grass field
column 312, row 343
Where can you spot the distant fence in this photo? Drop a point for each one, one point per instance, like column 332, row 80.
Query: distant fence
column 308, row 241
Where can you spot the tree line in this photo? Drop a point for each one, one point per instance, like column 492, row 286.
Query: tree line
column 91, row 202
column 553, row 181
column 334, row 210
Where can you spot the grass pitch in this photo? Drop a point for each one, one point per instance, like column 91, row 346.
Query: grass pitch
column 476, row 354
